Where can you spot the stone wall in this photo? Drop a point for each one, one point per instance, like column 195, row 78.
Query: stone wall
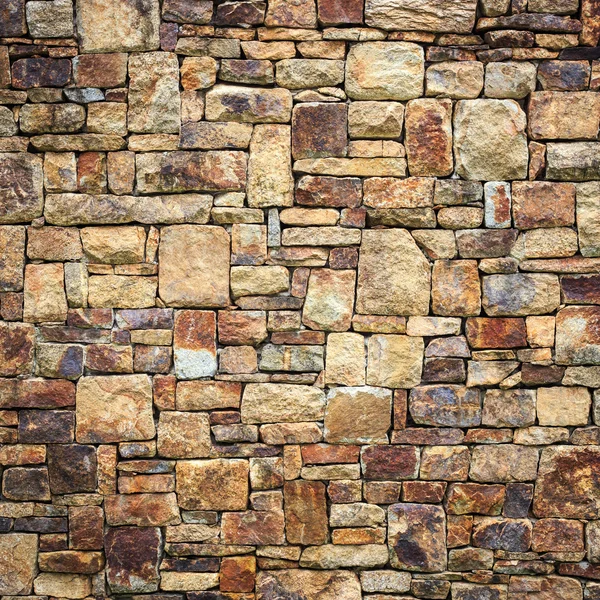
column 300, row 299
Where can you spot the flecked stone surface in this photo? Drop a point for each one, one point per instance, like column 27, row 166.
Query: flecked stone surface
column 299, row 299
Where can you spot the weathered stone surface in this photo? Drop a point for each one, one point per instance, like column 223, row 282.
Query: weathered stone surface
column 40, row 72
column 325, row 585
column 385, row 71
column 44, row 294
column 248, row 105
column 394, row 361
column 305, row 512
column 503, row 463
column 455, row 288
column 298, row 73
column 202, row 280
column 345, row 364
column 479, row 126
column 401, row 263
column 132, row 559
column 20, row 187
column 18, row 563
column 561, row 406
column 114, row 409
column 390, row 463
column 195, row 344
column 183, row 435
column 509, row 79
column 576, row 338
column 457, row 80
column 445, row 406
column 142, row 510
column 509, row 408
column 115, row 26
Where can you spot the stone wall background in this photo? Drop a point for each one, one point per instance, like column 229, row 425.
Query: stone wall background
column 300, row 299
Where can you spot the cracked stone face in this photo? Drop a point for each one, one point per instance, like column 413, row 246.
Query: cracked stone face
column 299, row 299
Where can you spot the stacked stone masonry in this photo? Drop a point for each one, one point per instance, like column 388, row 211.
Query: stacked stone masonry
column 300, row 299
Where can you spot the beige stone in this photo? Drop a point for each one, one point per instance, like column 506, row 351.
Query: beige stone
column 394, row 361
column 489, row 140
column 375, row 119
column 299, row 73
column 263, row 280
column 393, row 275
column 563, row 406
column 509, row 79
column 329, row 299
column 183, row 435
column 248, row 105
column 44, row 293
column 60, row 172
column 458, row 80
column 282, row 403
column 503, row 463
column 358, row 415
column 345, row 359
column 385, row 71
column 312, row 584
column 202, row 279
column 121, row 291
column 62, row 585
column 18, row 563
column 270, row 180
column 114, row 409
column 114, row 245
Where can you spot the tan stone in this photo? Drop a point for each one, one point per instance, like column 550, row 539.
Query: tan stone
column 202, row 279
column 489, row 140
column 298, row 13
column 248, row 105
column 329, row 300
column 51, row 243
column 60, row 172
column 345, row 359
column 520, row 294
column 299, row 73
column 114, row 409
column 385, row 71
column 324, row 585
column 198, row 72
column 562, row 406
column 358, row 415
column 263, row 280
column 114, row 245
column 375, row 119
column 455, row 288
column 270, row 180
column 62, row 585
column 44, row 293
column 393, row 275
column 154, row 103
column 305, row 512
column 503, row 463
column 367, row 556
column 509, row 79
column 183, row 435
column 120, row 291
column 395, row 361
column 219, row 484
column 282, row 403
column 454, row 79
column 18, row 563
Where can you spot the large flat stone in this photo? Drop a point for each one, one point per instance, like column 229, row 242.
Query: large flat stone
column 21, row 187
column 18, row 563
column 307, row 584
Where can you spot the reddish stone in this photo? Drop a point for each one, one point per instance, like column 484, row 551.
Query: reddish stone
column 255, row 528
column 483, row 332
column 513, row 535
column 152, row 359
column 242, row 327
column 340, row 12
column 464, row 498
column 195, row 344
column 72, row 468
column 343, row 258
column 390, row 463
column 91, row 173
column 543, row 204
column 459, row 530
column 446, row 370
column 582, row 569
column 143, row 510
column 16, row 348
column 319, row 130
column 335, row 192
column 163, row 387
column 427, row 492
column 86, row 527
column 344, row 492
column 305, row 512
column 557, row 535
column 564, row 75
column 11, row 306
column 323, row 454
column 240, row 13
column 100, row 70
column 46, row 426
column 145, row 318
column 353, row 217
column 109, row 358
column 132, row 558
column 298, row 337
column 532, row 374
column 39, row 393
column 382, row 492
column 237, row 574
column 41, row 72
column 580, row 289
column 485, row 243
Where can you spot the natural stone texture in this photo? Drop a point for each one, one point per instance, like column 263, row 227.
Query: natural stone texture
column 202, row 280
column 299, row 73
column 21, row 184
column 455, row 288
column 392, row 256
column 576, row 338
column 520, row 294
column 183, row 435
column 416, row 537
column 445, row 406
column 114, row 245
column 457, row 80
column 18, row 563
column 560, row 406
column 115, row 26
column 114, row 409
column 195, row 344
column 503, row 463
column 248, row 105
column 385, row 71
column 509, row 79
column 305, row 512
column 489, row 140
column 325, row 585
column 44, row 294
column 394, row 361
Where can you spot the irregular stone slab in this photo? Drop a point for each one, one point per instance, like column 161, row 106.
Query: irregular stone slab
column 385, row 71
column 142, row 510
column 329, row 299
column 520, row 294
column 202, row 280
column 307, row 583
column 214, row 136
column 468, row 591
column 44, row 296
column 305, row 512
column 18, row 563
column 450, row 15
column 509, row 79
column 485, row 332
column 301, row 13
column 248, row 105
column 84, row 209
column 219, row 484
column 195, row 344
column 445, row 406
column 21, row 187
column 566, row 485
column 390, row 463
column 543, row 204
column 562, row 406
column 183, row 435
column 395, row 361
column 509, row 408
column 573, row 161
column 13, row 24
column 455, row 79
column 114, row 409
column 299, row 73
column 336, row 556
column 120, row 291
column 51, row 118
column 62, row 584
column 182, row 171
column 416, row 538
column 114, row 245
column 40, row 72
column 153, row 98
column 71, row 468
column 465, row 498
column 393, row 275
column 358, row 415
column 118, row 26
column 78, row 142
column 578, row 335
column 270, row 179
column 564, row 115
column 489, row 140
column 345, row 359
column 132, row 559
column 428, row 138
column 282, row 403
column 257, row 528
column 588, row 217
column 503, row 463
column 12, row 250
column 546, row 588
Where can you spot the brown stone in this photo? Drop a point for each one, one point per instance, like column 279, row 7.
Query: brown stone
column 86, row 527
column 26, row 484
column 417, row 537
column 455, row 288
column 496, row 533
column 40, row 72
column 21, row 185
column 195, row 344
column 71, row 468
column 319, row 130
column 336, row 12
column 100, row 70
column 132, row 559
column 496, row 332
column 16, row 349
column 286, row 14
column 543, row 204
column 329, row 191
column 577, row 340
column 557, row 535
column 305, row 512
column 242, row 327
column 237, row 574
column 445, row 406
column 142, row 510
column 183, row 435
column 465, row 498
column 254, row 527
column 312, row 584
column 18, row 562
column 390, row 463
